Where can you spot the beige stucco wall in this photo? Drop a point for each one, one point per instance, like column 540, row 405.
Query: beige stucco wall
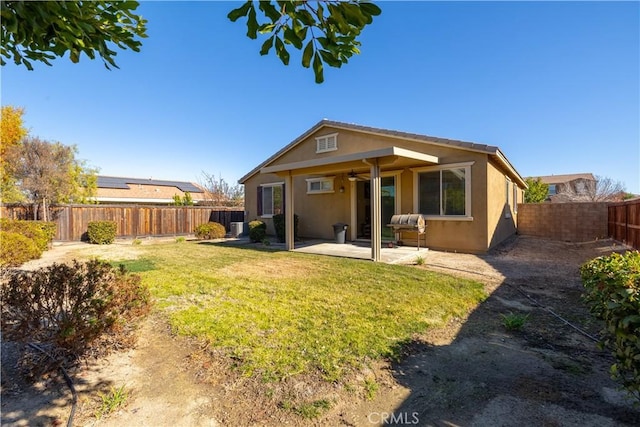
column 501, row 214
column 318, row 212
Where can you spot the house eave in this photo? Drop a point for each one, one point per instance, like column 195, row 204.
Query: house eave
column 502, row 160
column 389, row 152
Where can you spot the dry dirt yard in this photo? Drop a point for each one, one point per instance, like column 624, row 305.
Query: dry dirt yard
column 473, row 372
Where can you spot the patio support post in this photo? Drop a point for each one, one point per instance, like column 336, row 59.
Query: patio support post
column 376, row 205
column 353, row 194
column 288, row 212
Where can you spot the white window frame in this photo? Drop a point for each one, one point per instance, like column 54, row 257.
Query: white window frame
column 270, row 185
column 467, row 190
column 397, row 174
column 325, row 179
column 515, row 198
column 326, row 143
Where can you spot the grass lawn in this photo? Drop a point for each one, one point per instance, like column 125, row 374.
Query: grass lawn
column 280, row 314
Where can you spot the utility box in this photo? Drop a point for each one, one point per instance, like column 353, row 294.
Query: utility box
column 236, row 229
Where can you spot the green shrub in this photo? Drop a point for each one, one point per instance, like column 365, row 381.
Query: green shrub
column 102, row 232
column 72, row 309
column 257, row 231
column 612, row 286
column 40, row 232
column 210, row 230
column 16, row 249
column 514, row 321
column 278, row 224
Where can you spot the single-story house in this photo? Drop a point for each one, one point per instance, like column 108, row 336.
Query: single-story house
column 361, row 176
column 113, row 189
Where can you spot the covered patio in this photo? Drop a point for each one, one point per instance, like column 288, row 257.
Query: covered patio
column 375, row 162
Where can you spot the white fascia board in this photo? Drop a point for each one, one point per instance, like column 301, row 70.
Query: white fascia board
column 382, row 152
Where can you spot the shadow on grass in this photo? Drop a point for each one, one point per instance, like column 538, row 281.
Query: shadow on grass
column 245, row 245
column 135, row 265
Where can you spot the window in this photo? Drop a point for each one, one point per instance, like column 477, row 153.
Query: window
column 327, row 143
column 515, row 198
column 270, row 200
column 320, row 185
column 552, row 189
column 443, row 191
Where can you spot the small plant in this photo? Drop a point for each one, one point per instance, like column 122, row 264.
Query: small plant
column 136, row 242
column 116, row 398
column 257, row 231
column 309, row 410
column 210, row 230
column 279, row 225
column 370, row 388
column 266, row 242
column 419, row 260
column 181, row 239
column 102, row 232
column 514, row 321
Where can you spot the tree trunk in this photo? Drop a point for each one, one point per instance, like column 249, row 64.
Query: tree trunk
column 44, row 209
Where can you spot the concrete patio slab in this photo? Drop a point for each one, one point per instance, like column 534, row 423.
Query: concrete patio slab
column 361, row 250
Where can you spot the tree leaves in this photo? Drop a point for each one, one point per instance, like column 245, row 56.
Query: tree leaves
column 326, row 31
column 40, row 31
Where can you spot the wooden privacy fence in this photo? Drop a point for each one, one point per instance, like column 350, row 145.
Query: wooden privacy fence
column 132, row 220
column 624, row 222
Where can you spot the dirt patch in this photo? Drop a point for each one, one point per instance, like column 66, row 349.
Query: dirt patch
column 471, row 372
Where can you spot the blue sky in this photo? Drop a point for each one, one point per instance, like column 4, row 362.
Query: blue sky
column 555, row 85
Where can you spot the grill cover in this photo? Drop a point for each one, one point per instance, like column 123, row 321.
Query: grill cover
column 408, row 222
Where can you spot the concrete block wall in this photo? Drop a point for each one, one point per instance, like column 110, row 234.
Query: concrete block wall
column 569, row 222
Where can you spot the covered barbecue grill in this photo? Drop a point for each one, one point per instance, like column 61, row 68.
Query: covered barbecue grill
column 409, row 222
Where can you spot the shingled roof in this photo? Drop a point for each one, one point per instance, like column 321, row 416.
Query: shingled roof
column 562, row 179
column 123, row 183
column 464, row 145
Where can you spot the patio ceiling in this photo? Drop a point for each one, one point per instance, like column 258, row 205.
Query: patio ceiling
column 385, row 156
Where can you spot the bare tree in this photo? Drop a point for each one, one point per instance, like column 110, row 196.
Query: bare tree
column 602, row 189
column 219, row 192
column 49, row 173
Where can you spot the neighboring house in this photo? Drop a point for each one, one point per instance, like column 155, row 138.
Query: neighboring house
column 358, row 175
column 112, row 189
column 563, row 188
